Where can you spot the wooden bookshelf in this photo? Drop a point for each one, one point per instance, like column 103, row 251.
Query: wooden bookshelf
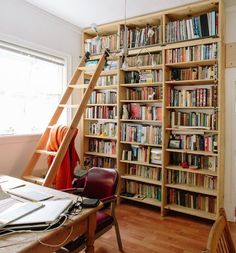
column 155, row 66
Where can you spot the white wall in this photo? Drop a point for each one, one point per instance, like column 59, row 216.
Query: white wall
column 26, row 25
column 230, row 120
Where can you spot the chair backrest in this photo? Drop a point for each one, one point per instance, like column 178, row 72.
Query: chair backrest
column 101, row 183
column 220, row 240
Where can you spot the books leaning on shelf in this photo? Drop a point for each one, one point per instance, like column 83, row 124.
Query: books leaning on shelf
column 138, row 37
column 201, row 26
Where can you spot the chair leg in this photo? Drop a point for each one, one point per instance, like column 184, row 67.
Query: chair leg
column 118, row 235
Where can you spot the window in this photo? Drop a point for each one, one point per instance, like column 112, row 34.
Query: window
column 31, row 84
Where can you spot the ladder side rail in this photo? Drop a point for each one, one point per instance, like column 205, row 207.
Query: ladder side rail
column 44, row 138
column 70, row 133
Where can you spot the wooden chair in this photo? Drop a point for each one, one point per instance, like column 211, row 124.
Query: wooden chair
column 220, row 240
column 99, row 183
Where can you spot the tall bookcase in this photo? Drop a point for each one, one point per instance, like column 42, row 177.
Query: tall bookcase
column 169, row 120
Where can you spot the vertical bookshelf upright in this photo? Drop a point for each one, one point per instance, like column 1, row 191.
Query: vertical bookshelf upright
column 101, row 115
column 170, row 108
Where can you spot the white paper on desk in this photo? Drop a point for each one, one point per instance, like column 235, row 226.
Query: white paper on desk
column 11, row 184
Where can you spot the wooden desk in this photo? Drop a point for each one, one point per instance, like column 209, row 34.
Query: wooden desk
column 83, row 223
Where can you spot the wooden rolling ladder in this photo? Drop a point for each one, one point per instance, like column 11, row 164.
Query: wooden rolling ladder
column 41, row 146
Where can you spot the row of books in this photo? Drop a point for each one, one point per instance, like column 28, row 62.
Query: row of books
column 141, row 112
column 196, row 161
column 102, row 162
column 144, row 171
column 144, row 93
column 194, row 97
column 136, row 153
column 101, row 112
column 192, row 200
column 193, row 28
column 145, row 60
column 98, row 44
column 103, row 97
column 192, row 53
column 195, row 120
column 138, row 37
column 141, row 133
column 191, row 179
column 107, row 80
column 102, row 146
column 102, row 129
column 144, row 76
column 196, row 73
column 206, row 143
column 143, row 190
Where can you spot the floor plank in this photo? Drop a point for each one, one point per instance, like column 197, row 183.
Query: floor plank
column 144, row 230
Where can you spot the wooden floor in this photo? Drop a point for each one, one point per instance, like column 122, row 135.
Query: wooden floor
column 143, row 230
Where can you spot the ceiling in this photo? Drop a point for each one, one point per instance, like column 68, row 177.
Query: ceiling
column 82, row 13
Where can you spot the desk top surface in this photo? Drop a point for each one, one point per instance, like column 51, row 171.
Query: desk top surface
column 18, row 241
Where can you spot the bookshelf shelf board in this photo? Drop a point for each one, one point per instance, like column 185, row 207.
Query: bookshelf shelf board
column 101, row 137
column 143, row 68
column 137, row 85
column 193, row 189
column 191, row 63
column 196, row 171
column 191, row 211
column 195, row 130
column 100, row 154
column 147, row 49
column 141, row 101
column 192, row 82
column 141, row 163
column 101, row 105
column 141, row 179
column 195, row 152
column 141, row 144
column 111, row 72
column 108, row 87
column 192, row 107
column 97, row 56
column 150, row 201
column 191, row 42
column 142, row 121
column 78, row 86
column 102, row 120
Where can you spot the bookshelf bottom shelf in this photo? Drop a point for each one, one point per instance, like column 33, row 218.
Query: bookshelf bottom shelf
column 149, row 201
column 187, row 210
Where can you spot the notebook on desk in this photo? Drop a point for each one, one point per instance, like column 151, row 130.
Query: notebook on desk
column 17, row 211
column 49, row 214
column 29, row 193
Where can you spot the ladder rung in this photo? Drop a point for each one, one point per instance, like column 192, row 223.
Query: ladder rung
column 33, row 179
column 46, row 152
column 79, row 86
column 87, row 68
column 68, row 106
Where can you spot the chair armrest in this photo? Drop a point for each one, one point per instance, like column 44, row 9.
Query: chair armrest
column 74, row 190
column 109, row 199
